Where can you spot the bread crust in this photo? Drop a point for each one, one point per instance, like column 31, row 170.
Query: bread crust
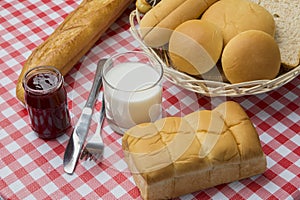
column 157, row 24
column 74, row 37
column 251, row 55
column 201, row 150
column 236, row 16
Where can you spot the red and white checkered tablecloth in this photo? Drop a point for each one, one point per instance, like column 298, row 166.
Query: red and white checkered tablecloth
column 31, row 168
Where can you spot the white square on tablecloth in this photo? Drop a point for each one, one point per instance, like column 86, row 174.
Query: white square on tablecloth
column 14, row 21
column 103, row 177
column 271, row 187
column 69, row 178
column 280, row 127
column 118, row 191
column 29, row 14
column 16, row 186
column 236, row 186
column 254, row 197
column 219, row 196
column 25, row 160
column 2, row 101
column 266, row 138
column 277, row 105
column 29, row 197
column 37, row 173
column 293, row 117
column 287, row 175
column 172, row 110
column 50, row 188
column 8, row 112
column 20, row 124
column 292, row 97
column 84, row 189
column 282, row 150
column 55, row 162
column 12, row 147
column 4, row 13
column 263, row 115
column 270, row 162
column 188, row 100
column 31, row 135
column 11, row 62
column 120, row 165
column 173, row 90
column 247, row 104
column 34, row 39
column 3, row 134
column 44, row 148
column 48, row 30
column 296, row 139
column 88, row 164
column 4, row 172
column 188, row 197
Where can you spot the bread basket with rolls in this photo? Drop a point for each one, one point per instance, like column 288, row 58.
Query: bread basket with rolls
column 259, row 50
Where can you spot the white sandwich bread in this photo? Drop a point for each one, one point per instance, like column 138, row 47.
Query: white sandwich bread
column 179, row 155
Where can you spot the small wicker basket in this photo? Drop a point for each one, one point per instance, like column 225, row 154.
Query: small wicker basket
column 209, row 87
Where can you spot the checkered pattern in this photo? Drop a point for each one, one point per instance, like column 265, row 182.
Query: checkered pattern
column 31, row 168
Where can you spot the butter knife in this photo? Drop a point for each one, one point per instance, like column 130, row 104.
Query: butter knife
column 81, row 128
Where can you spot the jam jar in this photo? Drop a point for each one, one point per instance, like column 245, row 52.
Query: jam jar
column 46, row 102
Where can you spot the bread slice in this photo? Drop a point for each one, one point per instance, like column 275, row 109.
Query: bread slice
column 179, row 155
column 287, row 20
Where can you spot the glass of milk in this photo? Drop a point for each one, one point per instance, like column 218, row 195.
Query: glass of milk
column 132, row 84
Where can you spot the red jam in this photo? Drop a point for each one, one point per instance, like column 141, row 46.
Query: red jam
column 46, row 101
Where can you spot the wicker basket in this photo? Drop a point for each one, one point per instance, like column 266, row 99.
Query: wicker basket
column 209, row 87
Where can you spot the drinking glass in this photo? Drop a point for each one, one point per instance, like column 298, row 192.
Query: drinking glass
column 132, row 89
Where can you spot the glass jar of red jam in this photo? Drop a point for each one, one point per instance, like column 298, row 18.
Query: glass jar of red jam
column 46, row 102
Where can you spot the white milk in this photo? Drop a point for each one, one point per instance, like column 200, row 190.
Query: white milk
column 137, row 98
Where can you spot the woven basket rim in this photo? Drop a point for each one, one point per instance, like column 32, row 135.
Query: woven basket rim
column 209, row 87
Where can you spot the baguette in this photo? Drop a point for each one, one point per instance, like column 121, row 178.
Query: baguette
column 158, row 23
column 74, row 37
column 175, row 156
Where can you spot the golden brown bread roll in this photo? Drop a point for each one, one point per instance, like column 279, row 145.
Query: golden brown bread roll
column 175, row 156
column 251, row 55
column 74, row 37
column 195, row 46
column 235, row 16
column 143, row 6
column 157, row 24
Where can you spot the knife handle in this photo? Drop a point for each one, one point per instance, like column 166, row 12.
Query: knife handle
column 95, row 87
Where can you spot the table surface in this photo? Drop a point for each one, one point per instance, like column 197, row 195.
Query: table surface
column 31, row 168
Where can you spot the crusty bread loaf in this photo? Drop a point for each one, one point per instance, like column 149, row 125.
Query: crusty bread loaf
column 74, row 37
column 235, row 16
column 195, row 46
column 175, row 156
column 157, row 24
column 251, row 55
column 287, row 19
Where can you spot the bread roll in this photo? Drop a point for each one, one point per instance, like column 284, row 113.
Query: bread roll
column 74, row 37
column 157, row 24
column 235, row 16
column 195, row 46
column 143, row 6
column 251, row 55
column 175, row 156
